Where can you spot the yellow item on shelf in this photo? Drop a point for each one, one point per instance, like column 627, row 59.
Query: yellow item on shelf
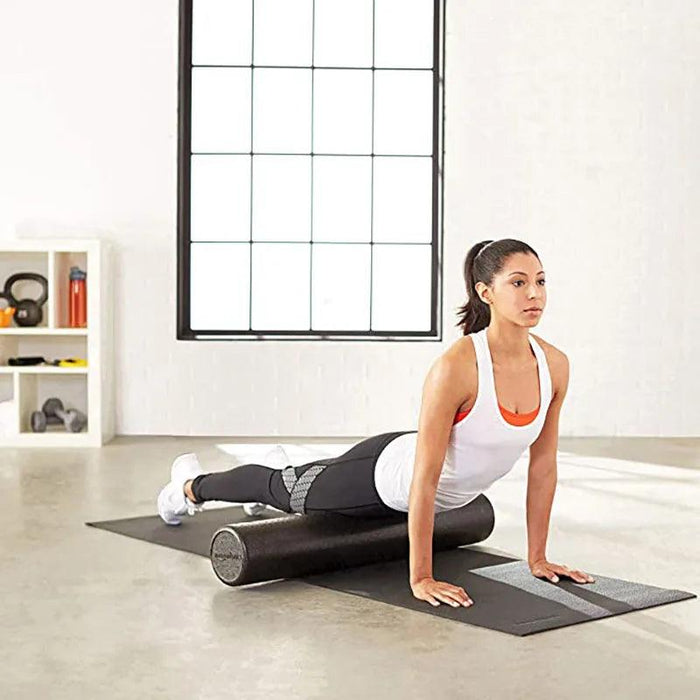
column 73, row 362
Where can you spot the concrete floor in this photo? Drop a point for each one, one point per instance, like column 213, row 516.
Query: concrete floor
column 91, row 614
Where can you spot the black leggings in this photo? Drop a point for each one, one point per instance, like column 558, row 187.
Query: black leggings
column 343, row 484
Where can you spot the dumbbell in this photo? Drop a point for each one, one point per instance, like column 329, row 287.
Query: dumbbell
column 53, row 412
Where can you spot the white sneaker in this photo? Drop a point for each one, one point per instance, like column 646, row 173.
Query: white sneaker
column 172, row 501
column 276, row 458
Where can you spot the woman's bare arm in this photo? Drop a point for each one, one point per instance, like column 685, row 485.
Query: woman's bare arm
column 444, row 390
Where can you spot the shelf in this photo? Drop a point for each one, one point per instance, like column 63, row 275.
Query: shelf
column 40, row 369
column 42, row 330
column 24, row 389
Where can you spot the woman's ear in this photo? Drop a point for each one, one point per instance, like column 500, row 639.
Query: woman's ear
column 481, row 290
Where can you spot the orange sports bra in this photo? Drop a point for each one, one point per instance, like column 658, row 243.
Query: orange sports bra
column 512, row 418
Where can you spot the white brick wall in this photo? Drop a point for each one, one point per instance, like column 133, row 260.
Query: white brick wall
column 573, row 127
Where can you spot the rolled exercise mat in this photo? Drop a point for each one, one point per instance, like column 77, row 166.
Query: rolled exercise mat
column 292, row 546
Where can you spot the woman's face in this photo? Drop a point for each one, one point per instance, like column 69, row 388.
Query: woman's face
column 519, row 286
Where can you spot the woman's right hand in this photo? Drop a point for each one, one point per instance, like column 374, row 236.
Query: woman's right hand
column 435, row 591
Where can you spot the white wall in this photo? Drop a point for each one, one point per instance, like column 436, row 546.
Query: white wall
column 573, row 126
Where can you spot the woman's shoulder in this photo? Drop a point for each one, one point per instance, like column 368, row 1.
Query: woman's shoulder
column 557, row 361
column 460, row 356
column 463, row 348
column 552, row 353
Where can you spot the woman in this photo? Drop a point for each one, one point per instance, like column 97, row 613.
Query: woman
column 491, row 395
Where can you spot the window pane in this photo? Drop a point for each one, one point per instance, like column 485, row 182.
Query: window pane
column 342, row 192
column 220, row 109
column 219, row 286
column 222, row 31
column 285, row 155
column 282, row 32
column 281, row 198
column 403, row 118
column 280, row 286
column 343, row 111
column 340, row 296
column 401, row 287
column 282, row 110
column 403, row 199
column 403, row 35
column 220, row 203
column 343, row 33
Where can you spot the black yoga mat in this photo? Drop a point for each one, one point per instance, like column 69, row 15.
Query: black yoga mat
column 507, row 597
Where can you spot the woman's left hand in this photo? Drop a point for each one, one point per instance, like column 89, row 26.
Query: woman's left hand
column 545, row 569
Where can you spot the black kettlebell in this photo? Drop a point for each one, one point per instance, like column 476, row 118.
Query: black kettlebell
column 28, row 311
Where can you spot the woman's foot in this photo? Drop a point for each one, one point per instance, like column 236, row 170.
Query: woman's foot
column 276, row 458
column 173, row 502
column 187, row 489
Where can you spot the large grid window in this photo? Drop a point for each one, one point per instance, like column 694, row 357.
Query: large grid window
column 310, row 169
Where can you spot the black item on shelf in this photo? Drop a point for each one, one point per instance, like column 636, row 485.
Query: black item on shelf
column 24, row 361
column 28, row 311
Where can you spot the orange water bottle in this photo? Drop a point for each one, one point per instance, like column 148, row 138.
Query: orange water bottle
column 77, row 298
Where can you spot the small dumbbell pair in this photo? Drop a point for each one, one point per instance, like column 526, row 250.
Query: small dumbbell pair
column 53, row 412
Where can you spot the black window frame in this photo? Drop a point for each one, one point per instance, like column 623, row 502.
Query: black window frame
column 184, row 330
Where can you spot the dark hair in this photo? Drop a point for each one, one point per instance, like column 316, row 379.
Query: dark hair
column 483, row 261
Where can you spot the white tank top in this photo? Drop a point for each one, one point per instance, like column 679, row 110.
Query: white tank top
column 483, row 446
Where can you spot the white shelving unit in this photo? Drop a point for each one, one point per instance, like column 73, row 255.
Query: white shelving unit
column 89, row 389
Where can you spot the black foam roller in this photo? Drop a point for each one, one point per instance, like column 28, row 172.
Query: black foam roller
column 297, row 545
